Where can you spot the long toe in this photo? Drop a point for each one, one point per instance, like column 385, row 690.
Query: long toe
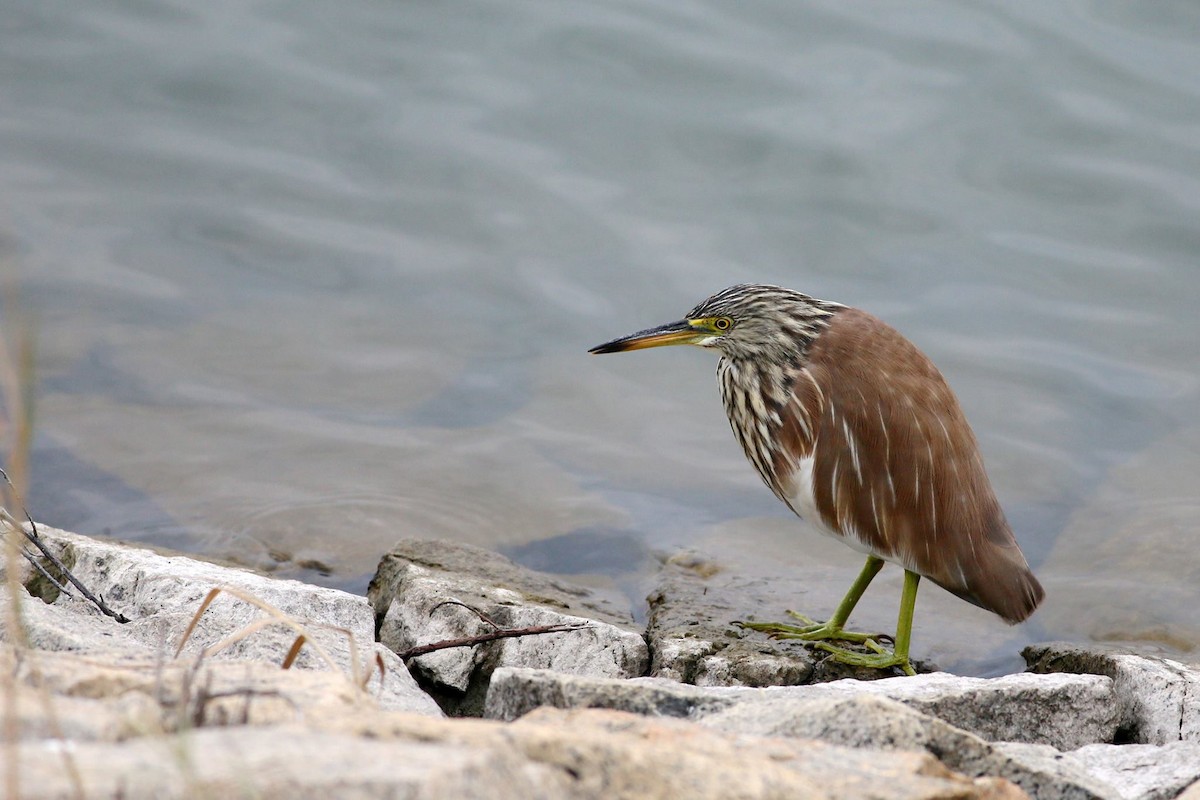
column 879, row 659
column 812, row 632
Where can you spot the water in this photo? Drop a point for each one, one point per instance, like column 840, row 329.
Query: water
column 309, row 277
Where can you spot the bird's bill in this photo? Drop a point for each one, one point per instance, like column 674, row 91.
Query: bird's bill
column 680, row 332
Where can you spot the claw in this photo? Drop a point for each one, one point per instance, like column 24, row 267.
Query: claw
column 802, row 617
column 778, row 630
column 810, row 632
column 819, row 635
column 880, row 659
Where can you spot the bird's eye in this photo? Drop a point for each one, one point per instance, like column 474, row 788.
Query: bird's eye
column 722, row 323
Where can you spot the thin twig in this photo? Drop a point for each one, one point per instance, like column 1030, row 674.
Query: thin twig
column 199, row 715
column 45, row 574
column 33, row 536
column 482, row 616
column 491, row 636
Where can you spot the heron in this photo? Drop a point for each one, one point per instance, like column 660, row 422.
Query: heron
column 858, row 433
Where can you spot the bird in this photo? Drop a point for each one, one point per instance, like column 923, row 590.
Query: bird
column 857, row 432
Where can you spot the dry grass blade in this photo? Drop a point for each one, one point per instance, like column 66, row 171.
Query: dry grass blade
column 187, row 634
column 293, row 652
column 275, row 616
column 379, row 665
column 16, row 433
column 239, row 635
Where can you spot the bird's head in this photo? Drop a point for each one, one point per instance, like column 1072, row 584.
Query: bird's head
column 751, row 321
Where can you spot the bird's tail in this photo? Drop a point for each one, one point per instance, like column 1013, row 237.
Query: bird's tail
column 1005, row 586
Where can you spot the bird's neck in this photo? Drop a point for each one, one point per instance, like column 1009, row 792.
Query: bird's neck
column 764, row 377
column 771, row 380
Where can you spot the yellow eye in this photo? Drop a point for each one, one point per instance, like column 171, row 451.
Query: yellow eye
column 722, row 323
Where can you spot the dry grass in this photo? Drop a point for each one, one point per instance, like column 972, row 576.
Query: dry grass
column 359, row 675
column 16, row 436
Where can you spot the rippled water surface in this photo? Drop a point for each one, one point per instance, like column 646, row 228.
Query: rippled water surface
column 311, row 277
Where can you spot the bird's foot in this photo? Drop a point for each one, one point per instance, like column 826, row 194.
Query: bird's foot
column 811, row 631
column 879, row 658
column 821, row 633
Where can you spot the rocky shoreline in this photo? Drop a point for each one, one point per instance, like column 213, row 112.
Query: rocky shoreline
column 687, row 707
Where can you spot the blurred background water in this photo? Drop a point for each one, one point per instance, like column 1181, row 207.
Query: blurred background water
column 310, row 277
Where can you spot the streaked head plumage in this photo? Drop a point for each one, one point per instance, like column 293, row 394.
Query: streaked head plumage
column 764, row 321
column 747, row 321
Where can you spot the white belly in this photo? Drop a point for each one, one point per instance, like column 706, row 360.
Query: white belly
column 802, row 499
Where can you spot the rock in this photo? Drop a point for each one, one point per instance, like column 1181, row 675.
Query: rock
column 1157, row 699
column 121, row 699
column 161, row 595
column 1035, row 709
column 285, row 762
column 1142, row 771
column 515, row 692
column 426, row 592
column 693, row 763
column 1048, row 774
column 139, row 721
column 693, row 639
column 1130, row 771
column 463, row 559
column 862, row 714
column 873, row 721
column 1191, row 793
column 612, row 754
column 869, row 722
column 333, row 750
column 1063, row 711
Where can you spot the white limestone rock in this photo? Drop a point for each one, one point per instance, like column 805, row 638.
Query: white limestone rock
column 161, row 594
column 1157, row 699
column 426, row 592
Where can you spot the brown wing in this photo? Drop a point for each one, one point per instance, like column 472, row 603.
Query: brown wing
column 896, row 467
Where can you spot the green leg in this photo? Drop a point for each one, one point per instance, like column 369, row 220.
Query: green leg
column 821, row 633
column 815, row 631
column 881, row 658
column 908, row 603
column 855, row 593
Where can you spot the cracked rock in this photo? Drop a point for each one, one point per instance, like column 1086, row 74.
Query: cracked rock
column 1142, row 771
column 1157, row 699
column 161, row 594
column 864, row 715
column 426, row 592
column 1063, row 711
column 875, row 722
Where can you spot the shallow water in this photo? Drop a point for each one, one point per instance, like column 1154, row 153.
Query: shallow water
column 308, row 278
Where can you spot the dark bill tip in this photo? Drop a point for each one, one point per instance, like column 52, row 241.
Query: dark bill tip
column 680, row 332
column 608, row 347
